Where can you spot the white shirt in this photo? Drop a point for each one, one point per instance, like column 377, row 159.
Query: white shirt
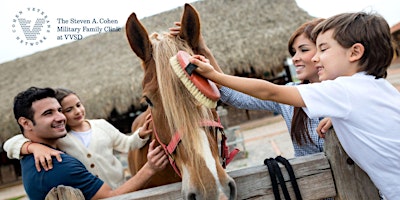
column 98, row 157
column 84, row 136
column 365, row 113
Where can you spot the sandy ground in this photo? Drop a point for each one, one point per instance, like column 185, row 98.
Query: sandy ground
column 264, row 138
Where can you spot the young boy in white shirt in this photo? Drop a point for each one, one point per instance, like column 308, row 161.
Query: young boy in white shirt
column 354, row 52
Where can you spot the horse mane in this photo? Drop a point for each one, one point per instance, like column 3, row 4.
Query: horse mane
column 179, row 110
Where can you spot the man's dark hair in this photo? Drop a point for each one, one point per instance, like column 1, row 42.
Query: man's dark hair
column 23, row 102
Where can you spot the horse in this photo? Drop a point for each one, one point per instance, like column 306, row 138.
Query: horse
column 174, row 111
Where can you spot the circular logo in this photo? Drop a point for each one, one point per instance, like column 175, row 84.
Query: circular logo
column 31, row 26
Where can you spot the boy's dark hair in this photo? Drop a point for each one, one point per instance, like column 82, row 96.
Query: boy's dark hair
column 23, row 102
column 370, row 30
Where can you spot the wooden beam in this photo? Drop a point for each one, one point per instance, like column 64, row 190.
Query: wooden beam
column 313, row 174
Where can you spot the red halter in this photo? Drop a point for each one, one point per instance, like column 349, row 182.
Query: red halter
column 169, row 149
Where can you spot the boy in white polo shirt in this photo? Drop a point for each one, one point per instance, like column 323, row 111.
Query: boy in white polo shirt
column 354, row 52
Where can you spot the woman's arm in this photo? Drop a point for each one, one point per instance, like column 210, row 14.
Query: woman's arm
column 157, row 160
column 244, row 101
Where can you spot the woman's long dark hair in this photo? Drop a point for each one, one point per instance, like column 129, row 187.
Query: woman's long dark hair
column 299, row 130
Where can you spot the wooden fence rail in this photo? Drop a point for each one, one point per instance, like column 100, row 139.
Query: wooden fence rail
column 322, row 175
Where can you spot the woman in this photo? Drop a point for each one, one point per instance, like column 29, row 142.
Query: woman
column 90, row 141
column 303, row 130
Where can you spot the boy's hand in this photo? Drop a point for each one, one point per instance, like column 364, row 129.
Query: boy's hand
column 145, row 130
column 323, row 127
column 43, row 156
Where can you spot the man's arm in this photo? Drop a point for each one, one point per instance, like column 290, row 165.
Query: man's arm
column 157, row 160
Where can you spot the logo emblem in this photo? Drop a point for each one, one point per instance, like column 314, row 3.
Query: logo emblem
column 31, row 26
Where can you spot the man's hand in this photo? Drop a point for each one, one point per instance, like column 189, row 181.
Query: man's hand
column 156, row 157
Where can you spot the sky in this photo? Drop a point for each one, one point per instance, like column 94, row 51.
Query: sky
column 68, row 21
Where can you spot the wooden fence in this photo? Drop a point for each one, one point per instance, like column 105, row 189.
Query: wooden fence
column 322, row 175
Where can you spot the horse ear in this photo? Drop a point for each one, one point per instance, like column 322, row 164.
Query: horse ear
column 190, row 26
column 138, row 38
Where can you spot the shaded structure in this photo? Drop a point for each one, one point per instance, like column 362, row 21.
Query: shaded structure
column 247, row 38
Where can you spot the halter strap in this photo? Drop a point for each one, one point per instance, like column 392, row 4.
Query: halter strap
column 169, row 149
column 176, row 138
column 226, row 156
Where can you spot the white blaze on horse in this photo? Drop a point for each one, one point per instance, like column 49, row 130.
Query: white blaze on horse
column 178, row 118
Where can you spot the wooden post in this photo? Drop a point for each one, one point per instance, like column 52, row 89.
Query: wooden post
column 62, row 192
column 350, row 180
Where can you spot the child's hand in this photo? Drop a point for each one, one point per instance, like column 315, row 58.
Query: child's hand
column 203, row 65
column 145, row 130
column 323, row 127
column 43, row 156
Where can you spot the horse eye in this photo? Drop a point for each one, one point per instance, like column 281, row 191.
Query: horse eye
column 148, row 101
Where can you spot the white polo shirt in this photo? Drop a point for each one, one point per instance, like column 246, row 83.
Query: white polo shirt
column 365, row 113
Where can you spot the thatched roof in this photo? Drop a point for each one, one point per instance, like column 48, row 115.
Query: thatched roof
column 106, row 74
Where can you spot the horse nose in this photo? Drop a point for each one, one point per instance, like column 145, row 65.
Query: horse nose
column 191, row 196
column 233, row 190
column 231, row 194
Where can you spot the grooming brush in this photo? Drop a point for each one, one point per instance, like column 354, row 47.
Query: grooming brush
column 204, row 90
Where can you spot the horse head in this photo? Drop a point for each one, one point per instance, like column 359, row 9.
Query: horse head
column 174, row 110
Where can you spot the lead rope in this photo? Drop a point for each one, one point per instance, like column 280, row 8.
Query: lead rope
column 176, row 138
column 271, row 170
column 290, row 171
column 275, row 173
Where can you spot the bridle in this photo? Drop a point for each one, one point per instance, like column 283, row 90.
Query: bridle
column 169, row 149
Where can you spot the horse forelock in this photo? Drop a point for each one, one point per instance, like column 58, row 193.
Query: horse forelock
column 182, row 110
column 173, row 108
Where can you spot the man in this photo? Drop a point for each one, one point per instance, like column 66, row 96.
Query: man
column 40, row 119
